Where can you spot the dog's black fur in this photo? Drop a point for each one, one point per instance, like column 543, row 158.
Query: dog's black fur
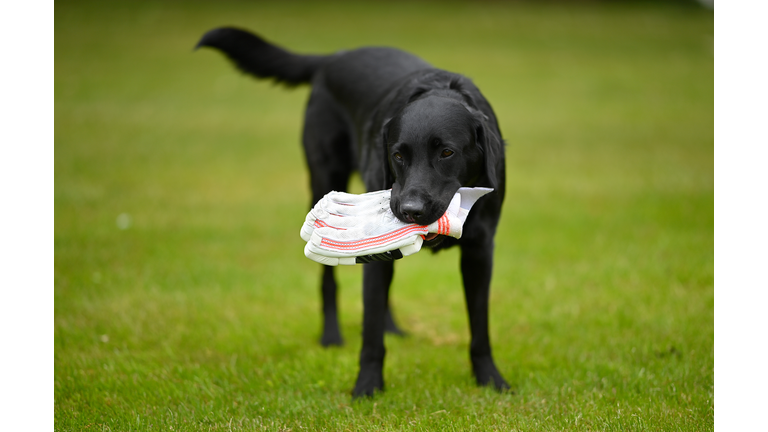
column 405, row 125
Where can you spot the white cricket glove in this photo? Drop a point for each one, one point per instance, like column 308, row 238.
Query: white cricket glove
column 349, row 229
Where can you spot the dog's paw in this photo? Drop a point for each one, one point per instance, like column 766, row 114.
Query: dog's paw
column 331, row 339
column 391, row 327
column 369, row 382
column 331, row 333
column 397, row 331
column 487, row 374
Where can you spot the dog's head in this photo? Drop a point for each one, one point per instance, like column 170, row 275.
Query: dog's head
column 435, row 145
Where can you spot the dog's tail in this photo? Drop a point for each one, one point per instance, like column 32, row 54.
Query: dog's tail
column 255, row 56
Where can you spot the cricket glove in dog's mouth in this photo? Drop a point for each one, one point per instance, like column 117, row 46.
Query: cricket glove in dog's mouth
column 349, row 229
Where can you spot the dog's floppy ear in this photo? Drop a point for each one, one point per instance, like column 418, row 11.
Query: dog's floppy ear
column 387, row 175
column 491, row 146
column 487, row 136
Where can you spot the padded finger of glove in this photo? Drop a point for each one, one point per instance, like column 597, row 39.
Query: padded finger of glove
column 322, row 256
column 354, row 245
column 365, row 205
column 345, row 228
column 334, row 204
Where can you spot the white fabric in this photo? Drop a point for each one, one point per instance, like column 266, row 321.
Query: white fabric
column 343, row 226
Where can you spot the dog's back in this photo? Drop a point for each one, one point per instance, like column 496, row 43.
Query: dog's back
column 363, row 76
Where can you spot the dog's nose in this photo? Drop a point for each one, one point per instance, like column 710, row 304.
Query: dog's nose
column 412, row 210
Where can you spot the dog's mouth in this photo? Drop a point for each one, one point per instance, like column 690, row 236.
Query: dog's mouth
column 433, row 239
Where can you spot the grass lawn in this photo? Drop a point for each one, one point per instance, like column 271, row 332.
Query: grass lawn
column 183, row 300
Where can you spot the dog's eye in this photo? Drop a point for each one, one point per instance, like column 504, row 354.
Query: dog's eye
column 446, row 153
column 398, row 157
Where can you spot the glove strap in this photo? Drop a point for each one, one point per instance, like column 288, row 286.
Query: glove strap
column 384, row 256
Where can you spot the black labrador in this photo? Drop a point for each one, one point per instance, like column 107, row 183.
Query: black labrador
column 404, row 125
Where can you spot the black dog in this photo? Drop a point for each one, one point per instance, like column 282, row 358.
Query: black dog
column 405, row 125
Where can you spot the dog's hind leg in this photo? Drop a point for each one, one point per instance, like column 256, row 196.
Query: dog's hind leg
column 391, row 326
column 331, row 333
column 328, row 149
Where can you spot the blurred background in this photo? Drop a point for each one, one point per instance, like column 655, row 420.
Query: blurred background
column 180, row 188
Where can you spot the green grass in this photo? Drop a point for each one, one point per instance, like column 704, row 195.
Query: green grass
column 204, row 315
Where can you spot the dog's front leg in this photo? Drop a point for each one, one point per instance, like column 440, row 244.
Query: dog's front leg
column 377, row 277
column 476, row 269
